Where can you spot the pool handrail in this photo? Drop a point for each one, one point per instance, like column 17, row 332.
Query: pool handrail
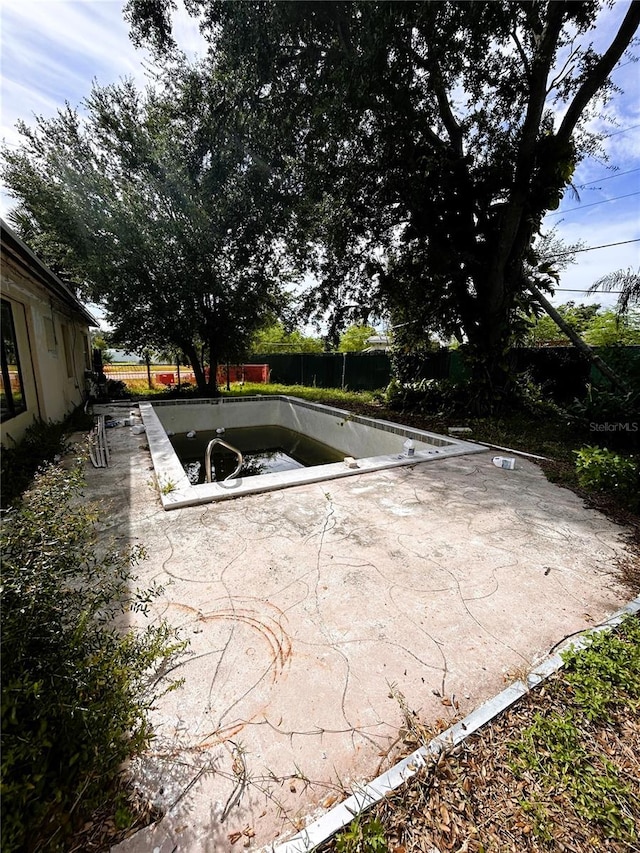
column 207, row 459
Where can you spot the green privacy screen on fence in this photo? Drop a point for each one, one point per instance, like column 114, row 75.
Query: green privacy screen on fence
column 563, row 371
column 362, row 371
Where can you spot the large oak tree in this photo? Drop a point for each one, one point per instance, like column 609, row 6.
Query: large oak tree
column 429, row 139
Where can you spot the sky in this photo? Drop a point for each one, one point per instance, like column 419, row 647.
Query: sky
column 52, row 50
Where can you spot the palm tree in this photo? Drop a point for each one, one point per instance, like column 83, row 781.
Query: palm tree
column 626, row 282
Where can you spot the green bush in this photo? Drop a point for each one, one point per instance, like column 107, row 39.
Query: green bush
column 43, row 441
column 76, row 689
column 436, row 397
column 602, row 409
column 603, row 470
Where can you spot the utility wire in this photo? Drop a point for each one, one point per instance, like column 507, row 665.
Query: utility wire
column 607, row 178
column 592, row 204
column 624, row 130
column 583, row 290
column 593, row 248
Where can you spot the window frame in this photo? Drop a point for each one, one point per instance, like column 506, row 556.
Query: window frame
column 9, row 335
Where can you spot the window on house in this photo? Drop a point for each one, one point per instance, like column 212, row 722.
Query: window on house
column 68, row 351
column 86, row 350
column 50, row 334
column 13, row 400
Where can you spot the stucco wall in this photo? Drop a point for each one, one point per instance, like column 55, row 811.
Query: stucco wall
column 53, row 347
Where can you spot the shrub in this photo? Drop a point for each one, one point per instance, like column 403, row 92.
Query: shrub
column 43, row 441
column 76, row 689
column 611, row 413
column 437, row 397
column 604, row 470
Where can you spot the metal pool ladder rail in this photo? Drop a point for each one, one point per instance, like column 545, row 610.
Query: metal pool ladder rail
column 207, row 459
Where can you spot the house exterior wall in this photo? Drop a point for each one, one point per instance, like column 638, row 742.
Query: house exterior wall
column 53, row 347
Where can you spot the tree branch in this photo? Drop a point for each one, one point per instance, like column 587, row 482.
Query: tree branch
column 446, row 113
column 512, row 220
column 521, row 51
column 601, row 71
column 577, row 341
column 566, row 69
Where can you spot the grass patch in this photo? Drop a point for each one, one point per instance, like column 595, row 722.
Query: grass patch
column 329, row 396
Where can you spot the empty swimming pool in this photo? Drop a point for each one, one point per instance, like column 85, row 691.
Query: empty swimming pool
column 360, row 444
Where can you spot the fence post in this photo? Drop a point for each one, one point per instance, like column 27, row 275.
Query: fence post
column 178, row 366
column 148, row 361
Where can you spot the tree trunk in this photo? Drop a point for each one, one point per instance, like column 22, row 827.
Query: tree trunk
column 198, row 369
column 212, row 385
column 577, row 341
column 488, row 349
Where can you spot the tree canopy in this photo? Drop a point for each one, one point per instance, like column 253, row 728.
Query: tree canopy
column 596, row 326
column 354, row 339
column 428, row 140
column 157, row 207
column 274, row 338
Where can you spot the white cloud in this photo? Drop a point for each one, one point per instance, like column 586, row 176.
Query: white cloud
column 52, row 50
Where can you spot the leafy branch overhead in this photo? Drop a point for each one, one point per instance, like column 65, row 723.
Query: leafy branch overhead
column 429, row 140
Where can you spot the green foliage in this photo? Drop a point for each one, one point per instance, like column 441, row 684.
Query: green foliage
column 554, row 749
column 598, row 328
column 275, row 339
column 76, row 689
column 545, row 330
column 161, row 209
column 602, row 470
column 362, row 836
column 608, row 329
column 98, row 342
column 354, row 339
column 604, row 677
column 426, row 141
column 558, row 750
column 42, row 442
column 612, row 417
column 625, row 282
column 166, row 486
column 436, row 397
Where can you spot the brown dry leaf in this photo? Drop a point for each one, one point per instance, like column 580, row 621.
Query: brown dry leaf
column 234, row 836
column 249, row 832
column 329, row 801
column 444, row 814
column 446, row 701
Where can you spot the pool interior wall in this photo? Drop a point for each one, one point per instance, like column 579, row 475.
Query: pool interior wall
column 374, row 444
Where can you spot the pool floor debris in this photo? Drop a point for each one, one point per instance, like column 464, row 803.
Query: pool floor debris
column 316, row 611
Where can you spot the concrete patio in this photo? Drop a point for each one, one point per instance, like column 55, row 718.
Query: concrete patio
column 317, row 612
